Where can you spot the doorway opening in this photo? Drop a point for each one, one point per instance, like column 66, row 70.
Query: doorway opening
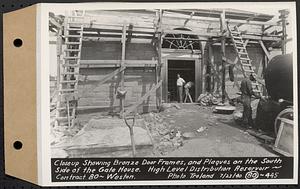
column 186, row 69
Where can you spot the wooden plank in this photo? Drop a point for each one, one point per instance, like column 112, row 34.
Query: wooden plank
column 222, row 29
column 122, row 66
column 141, row 100
column 210, row 64
column 265, row 49
column 59, row 53
column 208, row 16
column 159, row 67
column 247, row 21
column 111, row 75
column 118, row 62
column 130, row 28
column 166, row 31
column 201, row 35
column 283, row 15
column 188, row 19
column 268, row 27
column 118, row 66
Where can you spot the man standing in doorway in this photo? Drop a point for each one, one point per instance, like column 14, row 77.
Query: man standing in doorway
column 180, row 83
column 247, row 92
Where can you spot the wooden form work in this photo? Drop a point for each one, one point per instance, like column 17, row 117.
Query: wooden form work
column 126, row 34
column 157, row 33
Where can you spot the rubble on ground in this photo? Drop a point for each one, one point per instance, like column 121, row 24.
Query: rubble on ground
column 166, row 106
column 165, row 137
column 188, row 135
column 201, row 129
column 208, row 99
column 224, row 109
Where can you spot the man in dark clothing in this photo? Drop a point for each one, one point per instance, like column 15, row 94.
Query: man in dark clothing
column 247, row 92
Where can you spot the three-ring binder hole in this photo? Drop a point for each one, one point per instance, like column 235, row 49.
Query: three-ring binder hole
column 18, row 42
column 18, row 145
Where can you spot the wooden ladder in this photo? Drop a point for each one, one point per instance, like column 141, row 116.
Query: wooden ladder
column 68, row 86
column 243, row 56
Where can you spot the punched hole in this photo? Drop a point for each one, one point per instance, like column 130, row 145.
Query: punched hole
column 18, row 42
column 18, row 145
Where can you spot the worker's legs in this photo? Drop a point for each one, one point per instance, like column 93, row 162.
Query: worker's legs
column 247, row 112
column 179, row 89
column 186, row 92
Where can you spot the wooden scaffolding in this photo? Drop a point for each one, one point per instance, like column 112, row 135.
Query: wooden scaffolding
column 229, row 34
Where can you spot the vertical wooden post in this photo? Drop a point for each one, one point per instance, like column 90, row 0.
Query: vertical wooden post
column 159, row 63
column 283, row 16
column 223, row 38
column 58, row 53
column 203, row 69
column 209, row 65
column 123, row 72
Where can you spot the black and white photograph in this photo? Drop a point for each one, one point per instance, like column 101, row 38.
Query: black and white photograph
column 172, row 83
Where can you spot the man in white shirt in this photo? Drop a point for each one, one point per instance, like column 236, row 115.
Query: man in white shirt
column 180, row 84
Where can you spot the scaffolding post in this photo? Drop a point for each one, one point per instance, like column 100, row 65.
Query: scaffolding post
column 283, row 15
column 58, row 54
column 123, row 71
column 159, row 65
column 209, row 65
column 223, row 38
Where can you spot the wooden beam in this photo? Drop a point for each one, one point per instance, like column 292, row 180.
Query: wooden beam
column 118, row 62
column 216, row 18
column 141, row 100
column 185, row 39
column 122, row 75
column 58, row 53
column 266, row 28
column 159, row 63
column 265, row 49
column 223, row 38
column 206, row 34
column 209, row 66
column 187, row 20
column 248, row 20
column 215, row 73
column 129, row 35
column 110, row 76
column 283, row 15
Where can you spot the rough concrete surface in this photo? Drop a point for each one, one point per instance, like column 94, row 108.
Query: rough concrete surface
column 102, row 136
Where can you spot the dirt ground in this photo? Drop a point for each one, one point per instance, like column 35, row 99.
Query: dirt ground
column 202, row 133
column 186, row 130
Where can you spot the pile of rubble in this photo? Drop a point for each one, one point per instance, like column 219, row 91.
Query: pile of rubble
column 209, row 99
column 165, row 137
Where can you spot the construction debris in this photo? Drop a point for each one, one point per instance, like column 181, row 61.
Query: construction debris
column 201, row 129
column 166, row 106
column 165, row 137
column 208, row 99
column 224, row 109
column 188, row 135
